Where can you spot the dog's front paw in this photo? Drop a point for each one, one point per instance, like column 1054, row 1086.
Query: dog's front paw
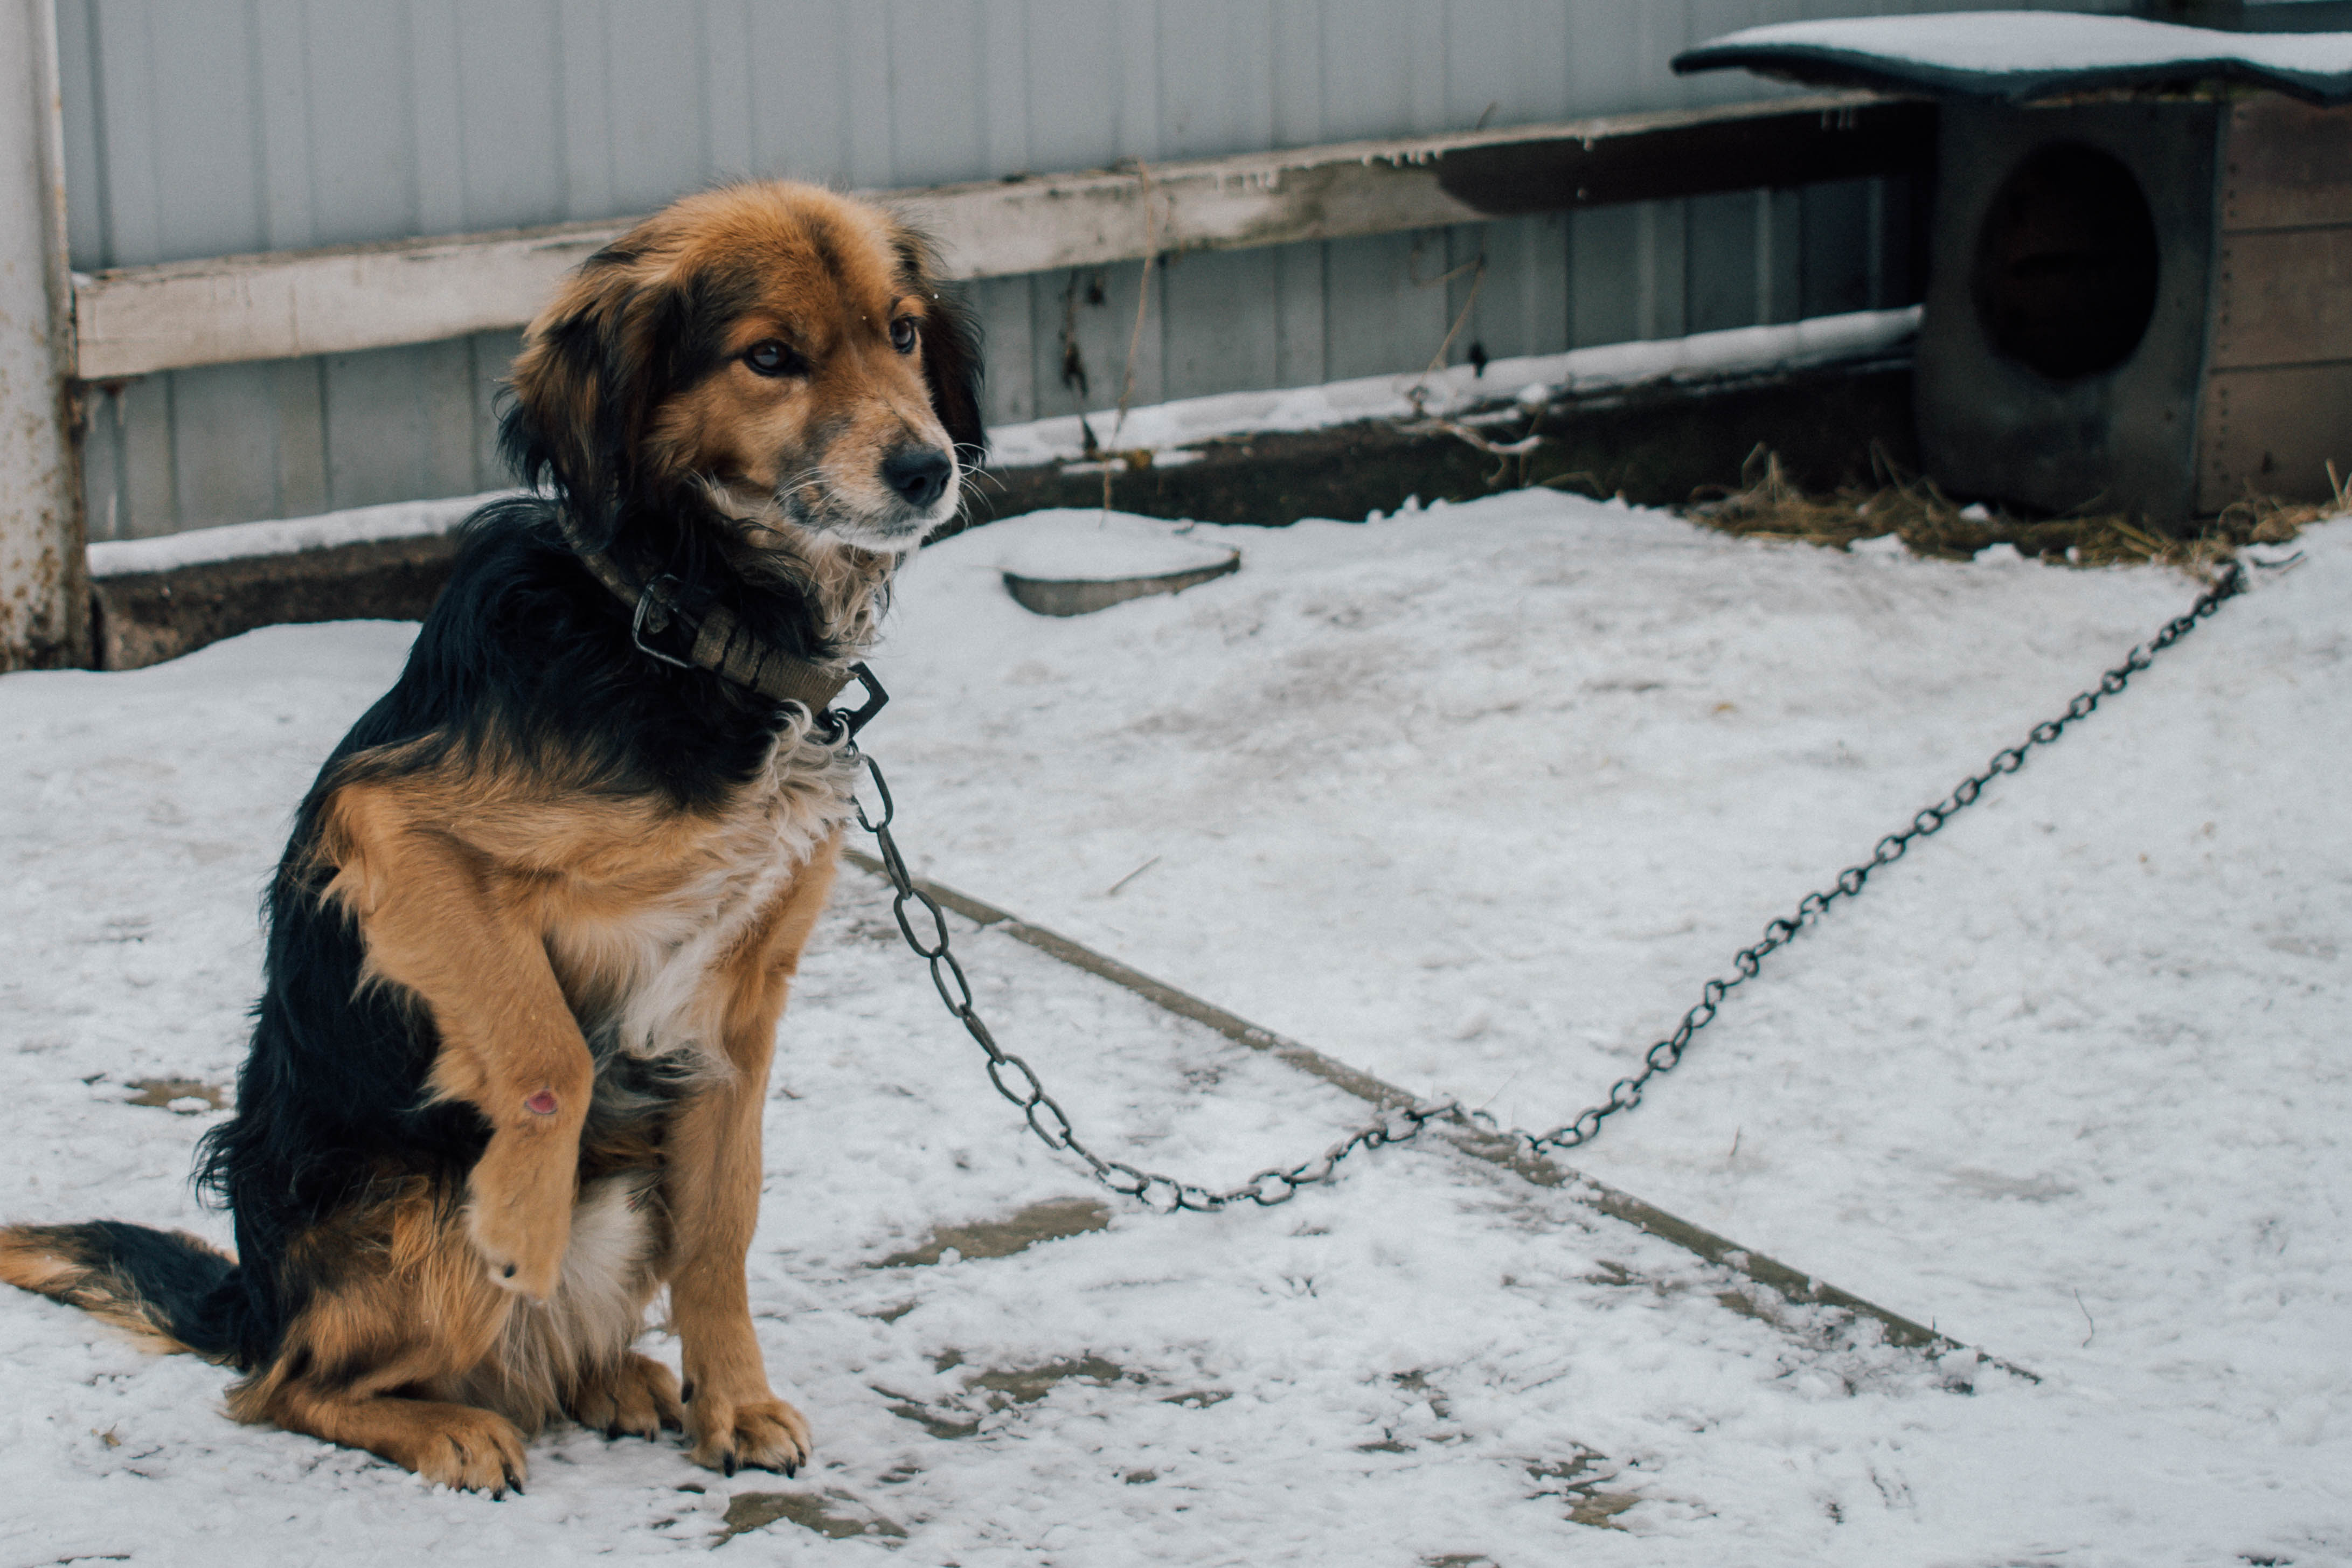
column 518, row 1209
column 524, row 1259
column 466, row 1451
column 636, row 1396
column 762, row 1434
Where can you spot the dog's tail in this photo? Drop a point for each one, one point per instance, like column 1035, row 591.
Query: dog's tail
column 172, row 1289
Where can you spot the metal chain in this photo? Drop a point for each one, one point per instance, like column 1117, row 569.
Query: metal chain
column 1626, row 1092
column 1019, row 1084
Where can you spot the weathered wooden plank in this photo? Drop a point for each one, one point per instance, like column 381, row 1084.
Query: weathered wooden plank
column 137, row 320
column 140, row 320
column 992, row 227
column 2288, row 165
column 2274, row 431
column 2284, row 296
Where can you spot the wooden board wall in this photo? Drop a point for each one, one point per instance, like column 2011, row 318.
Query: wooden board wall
column 2277, row 408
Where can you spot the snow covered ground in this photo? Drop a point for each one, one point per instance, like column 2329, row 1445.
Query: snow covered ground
column 1471, row 799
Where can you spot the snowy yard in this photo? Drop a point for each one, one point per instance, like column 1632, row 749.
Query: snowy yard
column 1471, row 799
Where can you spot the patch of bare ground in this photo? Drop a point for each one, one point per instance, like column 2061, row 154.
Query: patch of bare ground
column 831, row 1513
column 1768, row 505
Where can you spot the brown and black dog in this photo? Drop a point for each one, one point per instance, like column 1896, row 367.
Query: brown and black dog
column 532, row 938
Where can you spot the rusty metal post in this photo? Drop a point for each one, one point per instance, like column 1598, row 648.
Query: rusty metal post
column 44, row 555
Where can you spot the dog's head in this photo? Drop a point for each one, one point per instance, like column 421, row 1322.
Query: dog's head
column 775, row 352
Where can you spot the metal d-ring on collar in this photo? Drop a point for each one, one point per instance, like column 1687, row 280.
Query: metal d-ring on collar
column 653, row 609
column 847, row 721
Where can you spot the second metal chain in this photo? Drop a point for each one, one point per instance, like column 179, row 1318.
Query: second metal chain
column 1018, row 1083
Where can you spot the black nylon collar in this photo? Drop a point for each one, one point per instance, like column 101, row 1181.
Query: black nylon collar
column 725, row 647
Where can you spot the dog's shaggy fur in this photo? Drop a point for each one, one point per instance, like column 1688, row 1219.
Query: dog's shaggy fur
column 532, row 938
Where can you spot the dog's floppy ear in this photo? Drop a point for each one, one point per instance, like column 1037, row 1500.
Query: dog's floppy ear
column 951, row 351
column 584, row 384
column 951, row 348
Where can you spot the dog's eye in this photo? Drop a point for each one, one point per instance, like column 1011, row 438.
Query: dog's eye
column 902, row 334
column 770, row 356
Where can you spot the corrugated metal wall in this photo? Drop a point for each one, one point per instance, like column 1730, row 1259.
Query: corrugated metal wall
column 214, row 127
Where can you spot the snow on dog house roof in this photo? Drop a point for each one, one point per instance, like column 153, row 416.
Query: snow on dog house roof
column 2021, row 56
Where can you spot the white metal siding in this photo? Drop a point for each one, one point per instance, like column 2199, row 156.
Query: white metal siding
column 213, row 127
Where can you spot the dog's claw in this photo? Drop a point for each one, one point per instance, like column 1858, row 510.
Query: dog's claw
column 726, row 1463
column 791, row 1469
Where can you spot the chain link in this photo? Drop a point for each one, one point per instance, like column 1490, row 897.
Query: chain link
column 1019, row 1084
column 1664, row 1055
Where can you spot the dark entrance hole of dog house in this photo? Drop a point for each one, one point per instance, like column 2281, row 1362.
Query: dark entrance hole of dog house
column 2065, row 268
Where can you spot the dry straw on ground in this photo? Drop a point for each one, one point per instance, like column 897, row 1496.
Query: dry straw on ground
column 1766, row 505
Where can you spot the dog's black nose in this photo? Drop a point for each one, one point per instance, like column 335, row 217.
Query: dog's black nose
column 918, row 473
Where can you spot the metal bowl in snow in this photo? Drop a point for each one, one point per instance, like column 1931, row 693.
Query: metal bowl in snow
column 1083, row 596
